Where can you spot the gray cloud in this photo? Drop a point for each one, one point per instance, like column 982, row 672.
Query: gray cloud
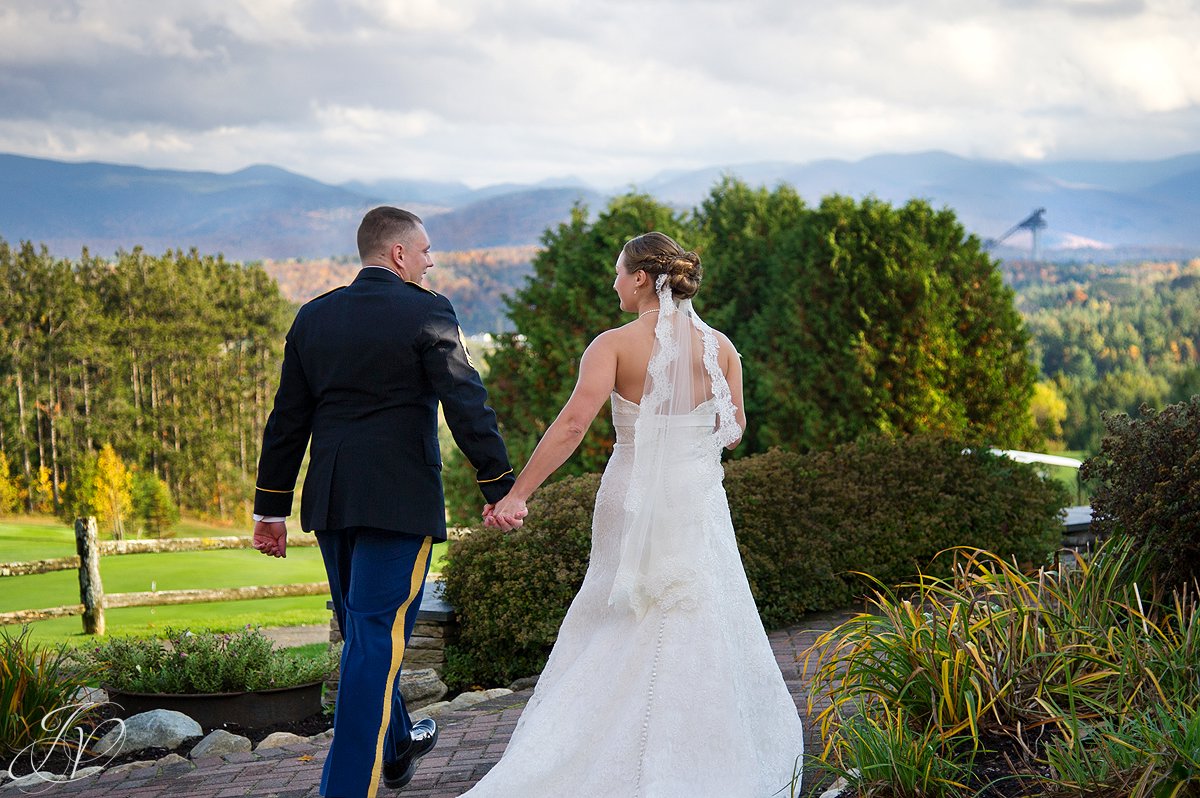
column 611, row 91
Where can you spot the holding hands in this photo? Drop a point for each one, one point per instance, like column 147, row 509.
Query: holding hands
column 507, row 514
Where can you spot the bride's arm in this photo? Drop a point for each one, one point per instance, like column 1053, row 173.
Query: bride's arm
column 597, row 377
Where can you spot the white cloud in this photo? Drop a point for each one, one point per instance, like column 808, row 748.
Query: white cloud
column 610, row 91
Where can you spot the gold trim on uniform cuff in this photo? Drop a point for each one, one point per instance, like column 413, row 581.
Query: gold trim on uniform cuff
column 494, row 479
column 268, row 490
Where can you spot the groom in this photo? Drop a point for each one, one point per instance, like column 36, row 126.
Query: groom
column 364, row 368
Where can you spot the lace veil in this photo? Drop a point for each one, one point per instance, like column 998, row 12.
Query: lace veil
column 685, row 417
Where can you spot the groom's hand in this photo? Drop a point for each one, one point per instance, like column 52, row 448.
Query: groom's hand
column 506, row 514
column 271, row 538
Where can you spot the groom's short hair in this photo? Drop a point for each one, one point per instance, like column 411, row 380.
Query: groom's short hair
column 384, row 226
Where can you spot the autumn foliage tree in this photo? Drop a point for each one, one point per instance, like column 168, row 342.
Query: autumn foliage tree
column 113, row 491
column 10, row 495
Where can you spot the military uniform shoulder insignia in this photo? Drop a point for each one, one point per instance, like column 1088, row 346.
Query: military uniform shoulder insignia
column 423, row 288
column 462, row 339
column 330, row 291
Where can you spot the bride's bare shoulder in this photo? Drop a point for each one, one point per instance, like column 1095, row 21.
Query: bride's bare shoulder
column 607, row 340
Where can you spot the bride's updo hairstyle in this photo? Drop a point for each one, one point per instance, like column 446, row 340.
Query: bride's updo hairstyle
column 655, row 253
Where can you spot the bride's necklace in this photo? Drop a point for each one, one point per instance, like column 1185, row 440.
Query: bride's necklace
column 648, row 311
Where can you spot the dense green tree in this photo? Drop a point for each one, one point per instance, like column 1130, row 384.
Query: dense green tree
column 567, row 302
column 172, row 359
column 752, row 247
column 851, row 318
column 153, row 506
column 860, row 317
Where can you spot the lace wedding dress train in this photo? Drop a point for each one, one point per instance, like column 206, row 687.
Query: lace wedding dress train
column 684, row 702
column 662, row 683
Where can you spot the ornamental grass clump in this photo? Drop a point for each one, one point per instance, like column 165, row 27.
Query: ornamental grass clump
column 204, row 662
column 1068, row 680
column 35, row 681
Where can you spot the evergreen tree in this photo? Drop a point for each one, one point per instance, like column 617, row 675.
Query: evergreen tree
column 152, row 503
column 567, row 302
column 851, row 318
column 859, row 317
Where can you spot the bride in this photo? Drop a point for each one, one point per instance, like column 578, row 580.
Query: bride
column 662, row 683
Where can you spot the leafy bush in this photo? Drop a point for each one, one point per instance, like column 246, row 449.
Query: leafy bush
column 1072, row 661
column 205, row 662
column 510, row 590
column 1148, row 471
column 804, row 524
column 34, row 681
column 807, row 524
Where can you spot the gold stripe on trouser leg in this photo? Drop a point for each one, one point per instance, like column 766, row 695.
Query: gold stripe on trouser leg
column 418, row 578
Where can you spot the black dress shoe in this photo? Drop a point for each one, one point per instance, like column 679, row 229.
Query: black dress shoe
column 423, row 738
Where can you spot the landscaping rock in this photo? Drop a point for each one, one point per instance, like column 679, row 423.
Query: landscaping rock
column 837, row 789
column 219, row 743
column 523, row 684
column 421, row 687
column 35, row 779
column 174, row 763
column 430, row 711
column 280, row 740
column 141, row 764
column 471, row 699
column 158, row 728
column 91, row 695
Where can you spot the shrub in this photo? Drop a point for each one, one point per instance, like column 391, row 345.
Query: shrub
column 806, row 525
column 1148, row 471
column 34, row 681
column 510, row 590
column 205, row 662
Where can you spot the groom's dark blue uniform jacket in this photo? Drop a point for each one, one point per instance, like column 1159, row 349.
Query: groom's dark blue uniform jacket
column 364, row 368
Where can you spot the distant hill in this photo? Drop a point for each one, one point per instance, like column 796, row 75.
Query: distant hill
column 1149, row 206
column 1100, row 210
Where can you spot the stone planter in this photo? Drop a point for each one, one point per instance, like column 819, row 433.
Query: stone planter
column 214, row 710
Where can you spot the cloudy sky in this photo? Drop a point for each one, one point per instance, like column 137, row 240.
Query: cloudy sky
column 610, row 91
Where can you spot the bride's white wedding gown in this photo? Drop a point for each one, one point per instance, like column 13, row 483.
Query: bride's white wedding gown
column 683, row 701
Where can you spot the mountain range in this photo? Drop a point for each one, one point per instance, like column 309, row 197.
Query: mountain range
column 1098, row 210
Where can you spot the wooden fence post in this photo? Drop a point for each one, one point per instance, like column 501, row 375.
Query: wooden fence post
column 91, row 591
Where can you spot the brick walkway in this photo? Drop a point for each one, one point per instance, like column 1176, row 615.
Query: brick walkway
column 469, row 743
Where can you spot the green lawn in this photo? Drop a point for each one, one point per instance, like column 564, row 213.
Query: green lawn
column 33, row 538
column 23, row 539
column 222, row 616
column 1069, row 477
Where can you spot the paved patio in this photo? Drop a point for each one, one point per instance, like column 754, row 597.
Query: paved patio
column 470, row 742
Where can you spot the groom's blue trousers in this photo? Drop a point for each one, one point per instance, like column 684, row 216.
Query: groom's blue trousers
column 377, row 578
